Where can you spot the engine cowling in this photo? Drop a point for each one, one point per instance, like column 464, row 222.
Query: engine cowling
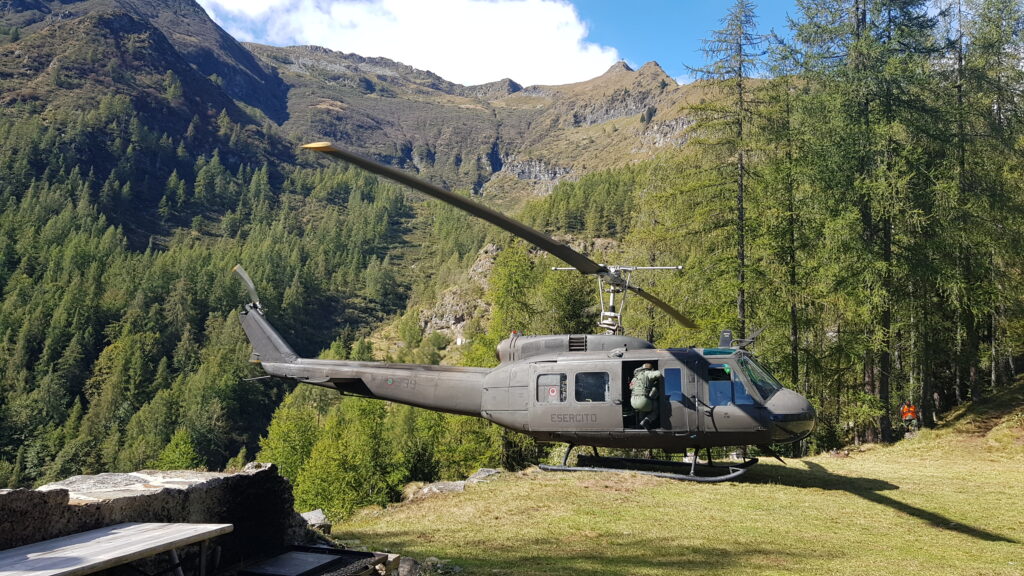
column 518, row 347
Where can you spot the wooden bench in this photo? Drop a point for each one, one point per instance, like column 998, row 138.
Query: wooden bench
column 108, row 547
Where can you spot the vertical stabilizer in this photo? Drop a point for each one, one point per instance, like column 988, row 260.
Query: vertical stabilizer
column 267, row 344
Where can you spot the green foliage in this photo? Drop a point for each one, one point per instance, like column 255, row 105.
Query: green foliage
column 237, row 463
column 512, row 279
column 566, row 302
column 115, row 324
column 597, row 205
column 447, row 246
column 179, row 454
column 352, row 464
column 294, row 430
column 465, row 444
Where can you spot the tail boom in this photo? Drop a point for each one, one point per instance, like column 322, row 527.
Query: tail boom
column 453, row 389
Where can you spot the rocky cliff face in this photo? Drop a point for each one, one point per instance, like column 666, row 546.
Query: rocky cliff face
column 461, row 303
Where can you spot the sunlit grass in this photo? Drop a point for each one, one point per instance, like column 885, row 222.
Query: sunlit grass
column 946, row 502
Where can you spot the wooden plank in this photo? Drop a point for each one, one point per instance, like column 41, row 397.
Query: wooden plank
column 103, row 548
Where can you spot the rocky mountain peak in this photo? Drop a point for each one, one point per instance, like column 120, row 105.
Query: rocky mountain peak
column 313, row 48
column 618, row 68
column 192, row 34
column 654, row 70
column 493, row 90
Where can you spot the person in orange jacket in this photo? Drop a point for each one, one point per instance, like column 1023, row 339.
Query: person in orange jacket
column 908, row 413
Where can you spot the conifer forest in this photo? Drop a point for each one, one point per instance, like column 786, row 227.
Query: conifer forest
column 854, row 186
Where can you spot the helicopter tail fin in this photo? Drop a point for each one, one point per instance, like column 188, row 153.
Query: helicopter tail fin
column 267, row 344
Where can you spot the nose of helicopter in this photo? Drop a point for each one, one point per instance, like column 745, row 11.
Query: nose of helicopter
column 792, row 416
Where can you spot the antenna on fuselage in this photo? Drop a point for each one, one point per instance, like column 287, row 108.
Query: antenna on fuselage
column 744, row 342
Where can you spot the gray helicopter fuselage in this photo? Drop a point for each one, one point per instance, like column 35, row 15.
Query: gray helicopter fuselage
column 571, row 388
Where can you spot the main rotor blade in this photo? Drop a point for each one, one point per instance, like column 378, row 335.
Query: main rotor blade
column 665, row 306
column 249, row 286
column 539, row 239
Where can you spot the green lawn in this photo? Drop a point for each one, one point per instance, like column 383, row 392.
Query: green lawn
column 946, row 502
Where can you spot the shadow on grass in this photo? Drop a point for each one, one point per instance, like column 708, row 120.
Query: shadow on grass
column 870, row 489
column 610, row 556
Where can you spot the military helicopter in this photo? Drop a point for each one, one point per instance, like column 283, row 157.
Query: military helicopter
column 571, row 388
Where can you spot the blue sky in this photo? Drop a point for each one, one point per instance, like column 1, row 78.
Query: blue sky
column 668, row 31
column 478, row 41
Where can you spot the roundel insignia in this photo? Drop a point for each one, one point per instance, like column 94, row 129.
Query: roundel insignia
column 552, row 392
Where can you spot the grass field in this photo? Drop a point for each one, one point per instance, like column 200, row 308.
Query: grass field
column 948, row 501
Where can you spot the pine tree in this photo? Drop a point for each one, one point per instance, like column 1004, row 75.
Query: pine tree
column 293, row 431
column 179, row 454
column 723, row 126
column 352, row 464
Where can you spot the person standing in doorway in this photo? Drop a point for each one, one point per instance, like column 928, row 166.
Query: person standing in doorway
column 646, row 388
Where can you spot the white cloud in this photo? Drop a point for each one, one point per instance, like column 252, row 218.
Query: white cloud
column 465, row 41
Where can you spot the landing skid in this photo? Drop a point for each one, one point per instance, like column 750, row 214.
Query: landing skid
column 692, row 471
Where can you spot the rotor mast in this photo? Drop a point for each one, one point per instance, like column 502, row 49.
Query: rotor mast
column 612, row 283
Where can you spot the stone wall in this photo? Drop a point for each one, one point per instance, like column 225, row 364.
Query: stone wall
column 257, row 501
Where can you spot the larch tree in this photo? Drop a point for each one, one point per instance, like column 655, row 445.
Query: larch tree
column 722, row 125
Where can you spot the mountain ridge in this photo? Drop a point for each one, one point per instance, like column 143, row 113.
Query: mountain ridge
column 467, row 136
column 500, row 139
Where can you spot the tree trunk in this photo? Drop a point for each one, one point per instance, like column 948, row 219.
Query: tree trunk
column 870, row 435
column 971, row 357
column 741, row 296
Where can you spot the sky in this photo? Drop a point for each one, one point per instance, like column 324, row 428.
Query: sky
column 478, row 41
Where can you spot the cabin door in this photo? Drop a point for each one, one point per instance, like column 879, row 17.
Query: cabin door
column 569, row 397
column 685, row 391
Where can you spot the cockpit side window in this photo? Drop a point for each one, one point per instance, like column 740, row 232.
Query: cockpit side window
column 740, row 396
column 551, row 388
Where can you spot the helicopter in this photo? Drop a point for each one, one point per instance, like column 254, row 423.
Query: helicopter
column 571, row 388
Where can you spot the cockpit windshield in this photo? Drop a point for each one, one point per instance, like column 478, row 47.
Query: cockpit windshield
column 765, row 383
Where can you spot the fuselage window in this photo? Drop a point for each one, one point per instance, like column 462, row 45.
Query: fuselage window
column 551, row 388
column 720, row 392
column 591, row 386
column 674, row 384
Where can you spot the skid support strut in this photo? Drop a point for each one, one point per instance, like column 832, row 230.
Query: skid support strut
column 690, row 471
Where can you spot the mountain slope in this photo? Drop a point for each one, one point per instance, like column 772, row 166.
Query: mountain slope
column 203, row 44
column 73, row 64
column 500, row 138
